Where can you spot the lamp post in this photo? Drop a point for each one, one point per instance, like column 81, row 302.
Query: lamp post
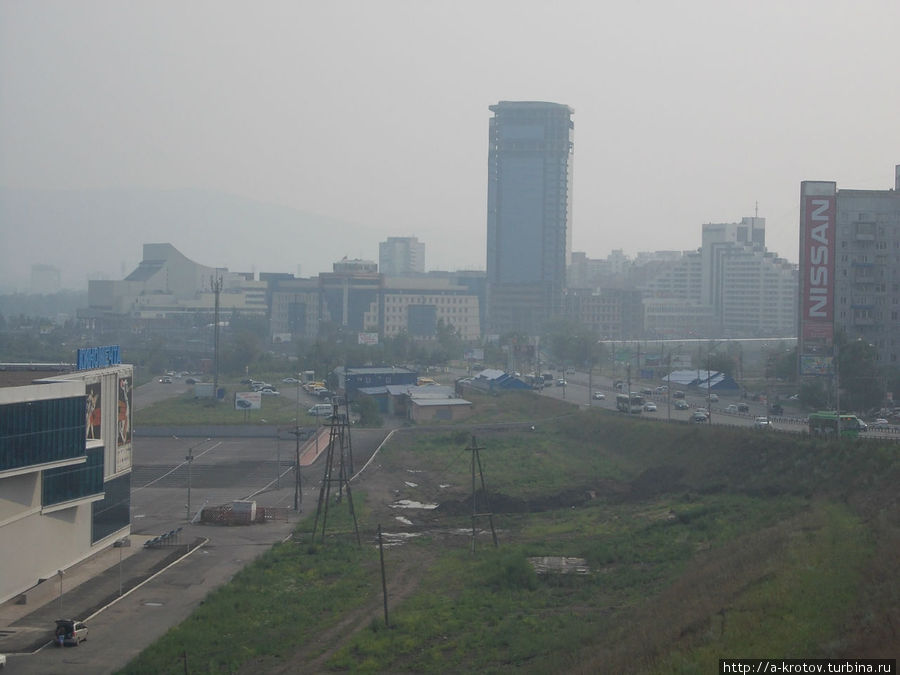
column 60, row 573
column 190, row 460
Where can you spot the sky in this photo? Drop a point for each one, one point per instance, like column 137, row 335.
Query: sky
column 376, row 112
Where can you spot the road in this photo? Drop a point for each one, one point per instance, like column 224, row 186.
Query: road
column 223, row 469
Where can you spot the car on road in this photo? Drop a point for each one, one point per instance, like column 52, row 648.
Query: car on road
column 714, row 398
column 880, row 423
column 678, row 394
column 190, row 380
column 290, row 380
column 165, row 379
column 599, row 396
column 731, row 408
column 681, row 404
column 649, row 406
column 269, row 392
column 69, row 632
column 560, row 382
column 647, row 391
column 776, row 409
column 698, row 417
column 762, row 423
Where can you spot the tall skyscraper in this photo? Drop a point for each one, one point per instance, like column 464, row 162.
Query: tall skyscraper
column 529, row 234
column 401, row 256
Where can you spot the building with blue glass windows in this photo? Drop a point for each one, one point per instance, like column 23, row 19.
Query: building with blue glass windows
column 65, row 468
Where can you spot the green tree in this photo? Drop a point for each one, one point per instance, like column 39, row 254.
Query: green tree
column 862, row 386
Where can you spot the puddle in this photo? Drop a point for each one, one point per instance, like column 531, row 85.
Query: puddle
column 408, row 484
column 405, row 521
column 410, row 504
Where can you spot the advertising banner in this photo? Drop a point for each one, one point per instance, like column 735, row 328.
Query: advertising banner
column 123, row 425
column 93, row 411
column 247, row 400
column 367, row 339
column 817, row 268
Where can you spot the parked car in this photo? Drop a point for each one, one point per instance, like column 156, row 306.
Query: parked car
column 290, row 380
column 560, row 382
column 681, row 404
column 762, row 423
column 662, row 390
column 731, row 408
column 649, row 406
column 70, row 632
column 880, row 423
column 647, row 391
column 269, row 392
column 599, row 396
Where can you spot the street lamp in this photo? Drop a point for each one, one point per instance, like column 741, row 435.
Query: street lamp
column 60, row 573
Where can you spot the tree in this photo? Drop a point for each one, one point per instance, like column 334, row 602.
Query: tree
column 860, row 379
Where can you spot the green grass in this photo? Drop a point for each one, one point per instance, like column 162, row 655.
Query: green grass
column 702, row 542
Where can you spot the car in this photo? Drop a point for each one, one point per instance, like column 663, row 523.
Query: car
column 743, row 408
column 714, row 398
column 681, row 404
column 560, row 382
column 762, row 423
column 269, row 392
column 165, row 379
column 649, row 406
column 190, row 380
column 2, row 661
column 678, row 394
column 702, row 411
column 698, row 416
column 246, row 380
column 570, row 371
column 599, row 396
column 70, row 632
column 776, row 409
column 290, row 380
column 647, row 391
column 662, row 389
column 731, row 408
column 880, row 423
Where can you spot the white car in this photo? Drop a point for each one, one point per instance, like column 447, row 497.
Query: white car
column 269, row 392
column 714, row 398
column 731, row 408
column 599, row 396
column 880, row 423
column 762, row 423
column 649, row 406
column 290, row 380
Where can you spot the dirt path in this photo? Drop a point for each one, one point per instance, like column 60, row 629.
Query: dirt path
column 404, row 573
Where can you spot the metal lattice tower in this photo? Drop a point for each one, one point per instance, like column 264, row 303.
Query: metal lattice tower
column 338, row 468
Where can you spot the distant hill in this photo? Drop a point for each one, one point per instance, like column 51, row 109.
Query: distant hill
column 100, row 233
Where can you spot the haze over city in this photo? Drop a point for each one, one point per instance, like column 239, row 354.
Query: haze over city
column 374, row 117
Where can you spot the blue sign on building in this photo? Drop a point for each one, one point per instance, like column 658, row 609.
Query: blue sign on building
column 98, row 357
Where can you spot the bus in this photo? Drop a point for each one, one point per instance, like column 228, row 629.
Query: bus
column 825, row 423
column 630, row 403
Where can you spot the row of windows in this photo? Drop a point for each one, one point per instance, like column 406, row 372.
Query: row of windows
column 36, row 432
column 73, row 482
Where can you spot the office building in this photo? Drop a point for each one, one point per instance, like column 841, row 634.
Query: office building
column 401, row 256
column 849, row 271
column 529, row 234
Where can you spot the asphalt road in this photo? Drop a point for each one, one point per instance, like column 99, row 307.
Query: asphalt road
column 222, row 470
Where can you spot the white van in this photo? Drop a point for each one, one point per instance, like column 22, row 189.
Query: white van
column 321, row 409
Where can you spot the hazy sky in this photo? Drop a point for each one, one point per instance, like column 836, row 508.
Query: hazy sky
column 376, row 112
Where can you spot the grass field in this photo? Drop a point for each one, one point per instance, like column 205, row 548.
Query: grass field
column 702, row 543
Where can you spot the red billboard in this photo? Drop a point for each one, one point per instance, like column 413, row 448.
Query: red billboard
column 817, row 267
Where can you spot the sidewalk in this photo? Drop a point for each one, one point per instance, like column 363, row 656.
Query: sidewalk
column 87, row 587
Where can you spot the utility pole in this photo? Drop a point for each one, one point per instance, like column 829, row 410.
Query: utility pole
column 217, row 289
column 189, row 458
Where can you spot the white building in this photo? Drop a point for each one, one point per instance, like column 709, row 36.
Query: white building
column 65, row 469
column 401, row 256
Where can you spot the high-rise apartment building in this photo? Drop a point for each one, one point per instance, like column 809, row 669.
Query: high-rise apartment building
column 401, row 256
column 849, row 271
column 529, row 233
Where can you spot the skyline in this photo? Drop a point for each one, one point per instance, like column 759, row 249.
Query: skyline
column 376, row 114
